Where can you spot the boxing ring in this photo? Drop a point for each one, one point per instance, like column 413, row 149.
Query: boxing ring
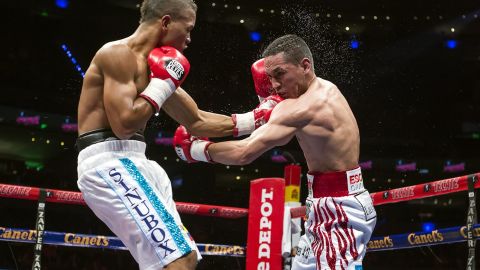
column 266, row 215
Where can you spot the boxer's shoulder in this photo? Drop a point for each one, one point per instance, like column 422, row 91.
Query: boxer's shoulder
column 113, row 50
column 115, row 56
column 291, row 112
column 286, row 105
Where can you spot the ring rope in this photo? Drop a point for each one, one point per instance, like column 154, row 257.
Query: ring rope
column 420, row 191
column 71, row 197
column 449, row 235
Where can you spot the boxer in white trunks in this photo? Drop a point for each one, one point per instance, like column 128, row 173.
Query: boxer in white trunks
column 340, row 212
column 127, row 82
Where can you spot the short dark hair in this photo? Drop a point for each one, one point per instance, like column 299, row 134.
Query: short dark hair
column 155, row 9
column 293, row 47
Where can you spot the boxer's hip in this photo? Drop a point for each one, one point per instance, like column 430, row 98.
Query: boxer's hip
column 133, row 196
column 339, row 228
column 101, row 135
column 102, row 152
column 335, row 184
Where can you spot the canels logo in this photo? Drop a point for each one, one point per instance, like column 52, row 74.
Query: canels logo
column 224, row 250
column 417, row 239
column 86, row 240
column 17, row 234
column 381, row 243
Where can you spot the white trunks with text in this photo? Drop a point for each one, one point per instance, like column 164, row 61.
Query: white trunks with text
column 133, row 197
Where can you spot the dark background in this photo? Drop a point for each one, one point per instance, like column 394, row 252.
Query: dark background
column 415, row 100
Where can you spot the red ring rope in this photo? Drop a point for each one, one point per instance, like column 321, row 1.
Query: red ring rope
column 420, row 191
column 424, row 190
column 71, row 197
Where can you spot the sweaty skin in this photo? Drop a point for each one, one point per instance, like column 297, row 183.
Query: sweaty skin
column 119, row 72
column 315, row 112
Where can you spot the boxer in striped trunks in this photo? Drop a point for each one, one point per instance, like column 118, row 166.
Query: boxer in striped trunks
column 341, row 216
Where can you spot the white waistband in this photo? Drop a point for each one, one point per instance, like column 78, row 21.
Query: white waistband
column 131, row 146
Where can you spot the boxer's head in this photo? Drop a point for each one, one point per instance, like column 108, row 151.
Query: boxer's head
column 289, row 65
column 176, row 18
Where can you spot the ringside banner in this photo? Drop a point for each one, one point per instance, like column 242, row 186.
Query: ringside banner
column 420, row 239
column 388, row 242
column 100, row 241
column 265, row 224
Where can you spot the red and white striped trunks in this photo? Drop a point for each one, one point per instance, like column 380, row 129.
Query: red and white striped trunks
column 340, row 221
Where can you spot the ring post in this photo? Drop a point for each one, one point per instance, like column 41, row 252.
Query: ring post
column 291, row 227
column 40, row 229
column 471, row 220
column 265, row 224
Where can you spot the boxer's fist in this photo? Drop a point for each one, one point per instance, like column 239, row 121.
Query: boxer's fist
column 190, row 148
column 270, row 102
column 246, row 123
column 168, row 69
column 262, row 84
column 168, row 64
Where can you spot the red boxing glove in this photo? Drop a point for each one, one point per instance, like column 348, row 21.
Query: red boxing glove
column 169, row 68
column 190, row 148
column 246, row 123
column 262, row 83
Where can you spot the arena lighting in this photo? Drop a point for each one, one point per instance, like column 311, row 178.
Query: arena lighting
column 428, row 226
column 407, row 167
column 423, row 171
column 177, row 182
column 28, row 120
column 354, row 44
column 162, row 140
column 73, row 60
column 34, row 165
column 451, row 44
column 62, row 3
column 449, row 167
column 278, row 157
column 69, row 127
column 366, row 165
column 255, row 36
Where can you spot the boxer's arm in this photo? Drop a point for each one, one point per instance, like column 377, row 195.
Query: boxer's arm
column 278, row 131
column 183, row 109
column 126, row 112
